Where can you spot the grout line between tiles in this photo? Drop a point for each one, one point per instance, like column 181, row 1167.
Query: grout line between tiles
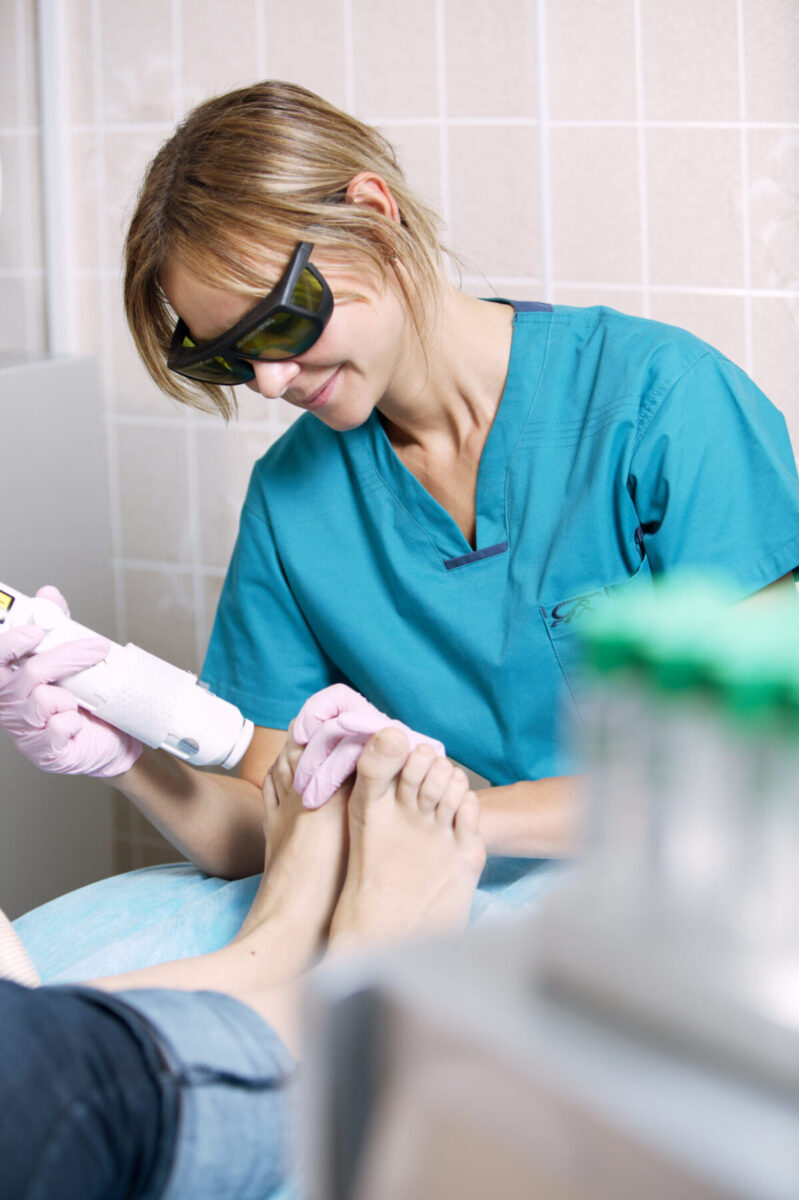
column 106, row 359
column 746, row 220
column 643, row 189
column 544, row 156
column 441, row 97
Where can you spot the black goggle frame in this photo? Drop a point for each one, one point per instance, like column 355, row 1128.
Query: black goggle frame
column 222, row 360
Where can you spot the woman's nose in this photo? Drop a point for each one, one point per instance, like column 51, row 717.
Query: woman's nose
column 272, row 379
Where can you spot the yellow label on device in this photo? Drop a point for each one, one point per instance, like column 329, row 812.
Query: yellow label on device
column 5, row 601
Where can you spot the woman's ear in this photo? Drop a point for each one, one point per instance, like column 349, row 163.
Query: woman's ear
column 371, row 190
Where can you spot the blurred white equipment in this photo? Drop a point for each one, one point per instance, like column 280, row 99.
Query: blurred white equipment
column 139, row 693
column 639, row 1037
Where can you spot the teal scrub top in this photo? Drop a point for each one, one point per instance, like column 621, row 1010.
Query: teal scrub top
column 622, row 448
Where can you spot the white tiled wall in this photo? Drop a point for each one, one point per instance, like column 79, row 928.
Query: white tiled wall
column 628, row 152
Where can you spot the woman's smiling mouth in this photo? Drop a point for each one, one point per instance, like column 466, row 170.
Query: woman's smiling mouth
column 321, row 396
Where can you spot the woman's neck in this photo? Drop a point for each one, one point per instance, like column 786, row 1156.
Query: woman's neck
column 447, row 393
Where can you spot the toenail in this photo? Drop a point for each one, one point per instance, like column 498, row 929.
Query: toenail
column 390, row 742
column 425, row 751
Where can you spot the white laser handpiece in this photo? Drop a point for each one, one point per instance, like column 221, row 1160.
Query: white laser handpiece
column 139, row 693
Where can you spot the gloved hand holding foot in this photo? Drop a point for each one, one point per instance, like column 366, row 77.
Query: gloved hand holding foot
column 43, row 720
column 334, row 725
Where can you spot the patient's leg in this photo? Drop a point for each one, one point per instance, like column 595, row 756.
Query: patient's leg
column 415, row 857
column 290, row 917
column 414, row 861
column 306, row 855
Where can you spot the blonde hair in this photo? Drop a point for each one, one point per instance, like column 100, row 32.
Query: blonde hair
column 244, row 178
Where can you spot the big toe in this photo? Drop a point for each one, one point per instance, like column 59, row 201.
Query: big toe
column 381, row 761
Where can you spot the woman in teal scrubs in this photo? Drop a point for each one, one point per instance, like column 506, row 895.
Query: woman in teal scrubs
column 469, row 478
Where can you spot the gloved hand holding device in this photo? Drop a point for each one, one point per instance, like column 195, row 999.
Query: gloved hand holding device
column 45, row 721
column 110, row 699
column 334, row 725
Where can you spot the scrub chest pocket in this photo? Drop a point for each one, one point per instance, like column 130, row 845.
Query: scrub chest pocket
column 564, row 621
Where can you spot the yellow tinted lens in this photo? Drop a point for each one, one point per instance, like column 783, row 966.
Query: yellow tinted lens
column 308, row 292
column 281, row 335
column 219, row 370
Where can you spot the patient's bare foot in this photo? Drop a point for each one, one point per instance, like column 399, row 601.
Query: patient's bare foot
column 306, row 856
column 415, row 853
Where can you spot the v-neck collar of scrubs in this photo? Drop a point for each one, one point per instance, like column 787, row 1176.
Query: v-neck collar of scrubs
column 525, row 364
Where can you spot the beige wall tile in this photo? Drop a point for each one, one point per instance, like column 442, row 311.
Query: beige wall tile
column 305, row 44
column 10, row 66
column 285, row 415
column 494, row 199
column 775, row 327
column 160, row 608
column 695, row 224
column 137, row 56
column 127, row 156
column 591, row 60
column 491, row 59
column 771, row 48
column 21, row 239
column 225, row 458
column 36, row 310
column 13, row 323
column 774, row 207
column 207, row 25
column 34, row 227
column 89, row 293
column 212, row 587
column 252, row 407
column 719, row 320
column 133, row 392
column 153, row 490
column 19, row 104
column 81, row 50
column 631, row 302
column 394, row 58
column 419, row 151
column 87, row 187
column 486, row 288
column 12, row 248
column 29, row 95
column 596, row 216
column 691, row 60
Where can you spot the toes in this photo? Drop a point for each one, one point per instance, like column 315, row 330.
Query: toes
column 435, row 784
column 418, row 764
column 292, row 750
column 467, row 817
column 452, row 797
column 270, row 795
column 381, row 761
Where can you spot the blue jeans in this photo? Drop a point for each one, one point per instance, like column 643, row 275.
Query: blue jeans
column 140, row 1094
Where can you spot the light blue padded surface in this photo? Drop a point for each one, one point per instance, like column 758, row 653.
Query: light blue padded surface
column 160, row 913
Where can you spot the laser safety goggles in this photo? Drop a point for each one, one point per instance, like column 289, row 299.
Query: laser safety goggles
column 282, row 325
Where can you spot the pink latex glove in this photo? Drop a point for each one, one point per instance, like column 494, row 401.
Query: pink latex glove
column 44, row 721
column 334, row 725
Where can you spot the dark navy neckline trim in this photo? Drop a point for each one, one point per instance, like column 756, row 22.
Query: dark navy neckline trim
column 475, row 556
column 521, row 305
